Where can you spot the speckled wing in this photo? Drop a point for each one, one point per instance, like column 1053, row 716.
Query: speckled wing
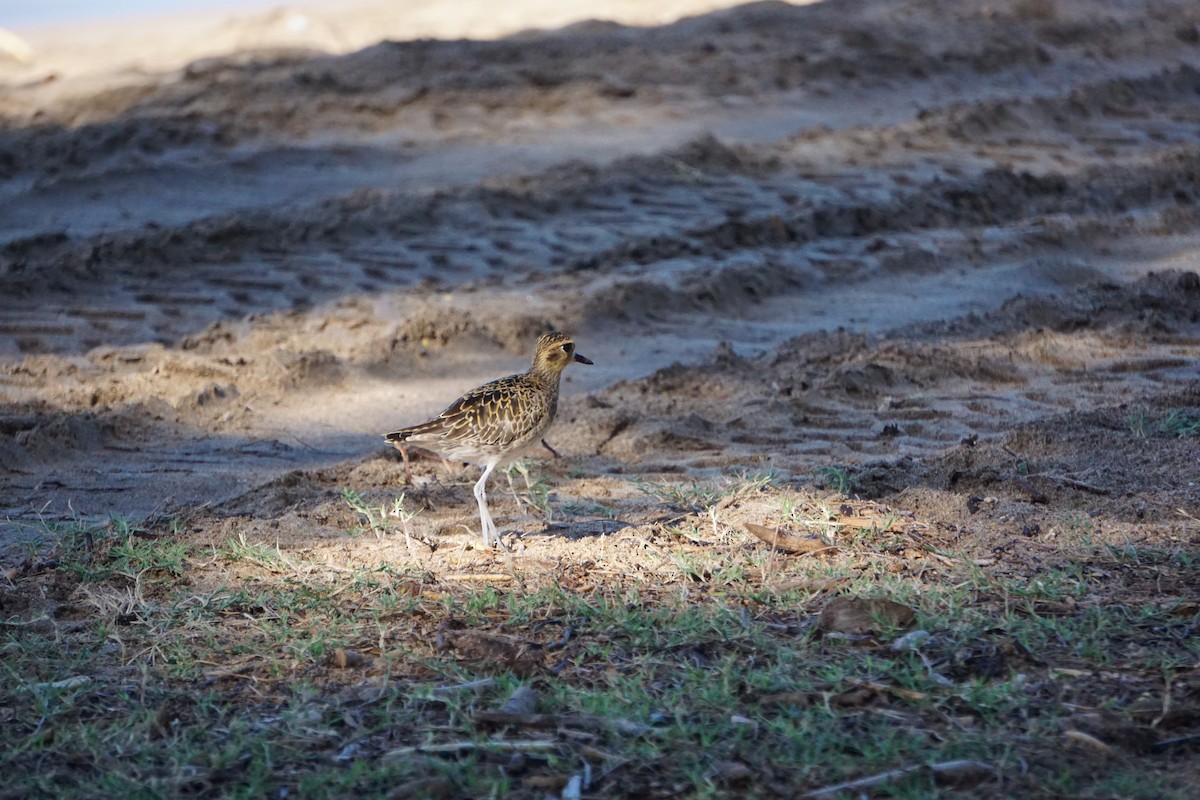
column 498, row 414
column 503, row 414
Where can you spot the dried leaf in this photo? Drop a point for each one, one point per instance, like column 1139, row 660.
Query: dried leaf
column 854, row 697
column 345, row 659
column 433, row 788
column 160, row 726
column 522, row 702
column 1090, row 741
column 1186, row 609
column 409, row 588
column 1036, row 495
column 729, row 772
column 505, row 652
column 574, row 788
column 789, row 541
column 518, row 764
column 859, row 615
column 545, row 783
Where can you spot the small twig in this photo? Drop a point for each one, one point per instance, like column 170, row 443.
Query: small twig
column 465, row 746
column 17, row 623
column 469, row 686
column 1036, row 495
column 1177, row 742
column 66, row 683
column 479, row 576
column 562, row 640
column 1073, row 483
column 585, row 722
column 952, row 772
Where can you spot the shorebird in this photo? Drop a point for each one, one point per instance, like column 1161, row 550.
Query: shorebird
column 493, row 424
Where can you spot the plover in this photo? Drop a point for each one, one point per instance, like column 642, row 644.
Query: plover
column 493, row 424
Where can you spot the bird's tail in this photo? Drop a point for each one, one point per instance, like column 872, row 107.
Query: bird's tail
column 397, row 437
column 404, row 434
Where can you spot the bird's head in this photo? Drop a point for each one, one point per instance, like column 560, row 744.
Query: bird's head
column 554, row 352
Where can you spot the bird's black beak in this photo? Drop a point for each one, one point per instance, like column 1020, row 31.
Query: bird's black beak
column 582, row 359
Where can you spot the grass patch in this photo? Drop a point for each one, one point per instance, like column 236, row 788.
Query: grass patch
column 1173, row 422
column 838, row 479
column 700, row 496
column 382, row 518
column 145, row 666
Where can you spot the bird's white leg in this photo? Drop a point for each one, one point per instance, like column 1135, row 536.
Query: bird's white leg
column 490, row 534
column 480, row 491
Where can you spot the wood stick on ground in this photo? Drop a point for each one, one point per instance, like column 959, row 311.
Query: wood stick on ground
column 1073, row 483
column 469, row 686
column 585, row 722
column 467, row 746
column 960, row 773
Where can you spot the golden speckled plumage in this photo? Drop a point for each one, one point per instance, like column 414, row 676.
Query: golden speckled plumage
column 493, row 424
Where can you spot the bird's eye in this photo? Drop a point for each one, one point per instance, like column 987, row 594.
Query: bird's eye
column 567, row 348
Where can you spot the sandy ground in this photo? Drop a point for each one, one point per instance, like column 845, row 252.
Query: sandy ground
column 948, row 247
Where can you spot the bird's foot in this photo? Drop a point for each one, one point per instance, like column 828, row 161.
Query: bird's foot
column 491, row 538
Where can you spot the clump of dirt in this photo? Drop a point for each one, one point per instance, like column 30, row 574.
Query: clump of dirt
column 437, row 327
